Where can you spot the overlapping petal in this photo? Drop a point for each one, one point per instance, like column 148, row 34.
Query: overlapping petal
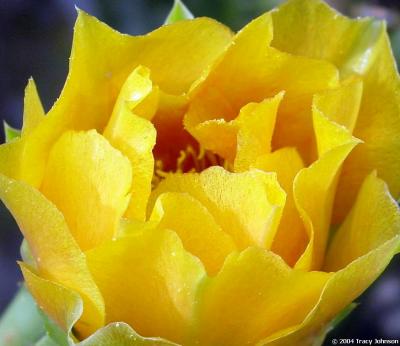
column 254, row 295
column 65, row 308
column 343, row 41
column 254, row 220
column 211, row 257
column 63, row 305
column 80, row 179
column 162, row 282
column 291, row 238
column 359, row 252
column 96, row 76
column 250, row 71
column 359, row 47
column 135, row 136
column 196, row 227
column 314, row 187
column 373, row 220
column 57, row 255
column 378, row 126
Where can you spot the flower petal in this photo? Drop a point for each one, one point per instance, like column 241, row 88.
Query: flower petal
column 256, row 123
column 254, row 295
column 291, row 238
column 137, row 87
column 176, row 54
column 360, row 250
column 378, row 126
column 217, row 135
column 160, row 276
column 251, row 71
column 359, row 47
column 247, row 205
column 315, row 186
column 373, row 220
column 121, row 334
column 340, row 40
column 199, row 232
column 341, row 105
column 57, row 255
column 341, row 289
column 80, row 179
column 63, row 305
column 33, row 109
column 135, row 137
column 10, row 158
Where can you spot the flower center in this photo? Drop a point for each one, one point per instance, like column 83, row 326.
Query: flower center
column 190, row 159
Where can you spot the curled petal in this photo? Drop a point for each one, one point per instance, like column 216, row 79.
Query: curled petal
column 254, row 295
column 247, row 206
column 121, row 334
column 250, row 71
column 135, row 136
column 341, row 288
column 373, row 220
column 63, row 305
column 196, row 227
column 80, row 179
column 291, row 238
column 56, row 253
column 315, row 186
column 157, row 297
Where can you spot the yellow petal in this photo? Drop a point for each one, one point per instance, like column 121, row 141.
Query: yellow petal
column 63, row 305
column 357, row 46
column 128, row 227
column 251, row 71
column 254, row 295
column 176, row 55
column 80, row 179
column 102, row 59
column 12, row 154
column 340, row 40
column 216, row 135
column 134, row 137
column 315, row 186
column 329, row 135
column 378, row 126
column 33, row 109
column 342, row 105
column 340, row 290
column 11, row 157
column 57, row 255
column 373, row 220
column 199, row 232
column 242, row 140
column 256, row 123
column 135, row 89
column 121, row 334
column 247, row 206
column 160, row 276
column 291, row 237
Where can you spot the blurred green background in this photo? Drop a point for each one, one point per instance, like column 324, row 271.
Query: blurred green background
column 35, row 40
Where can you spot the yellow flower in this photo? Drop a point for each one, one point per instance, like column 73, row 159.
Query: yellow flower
column 186, row 184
